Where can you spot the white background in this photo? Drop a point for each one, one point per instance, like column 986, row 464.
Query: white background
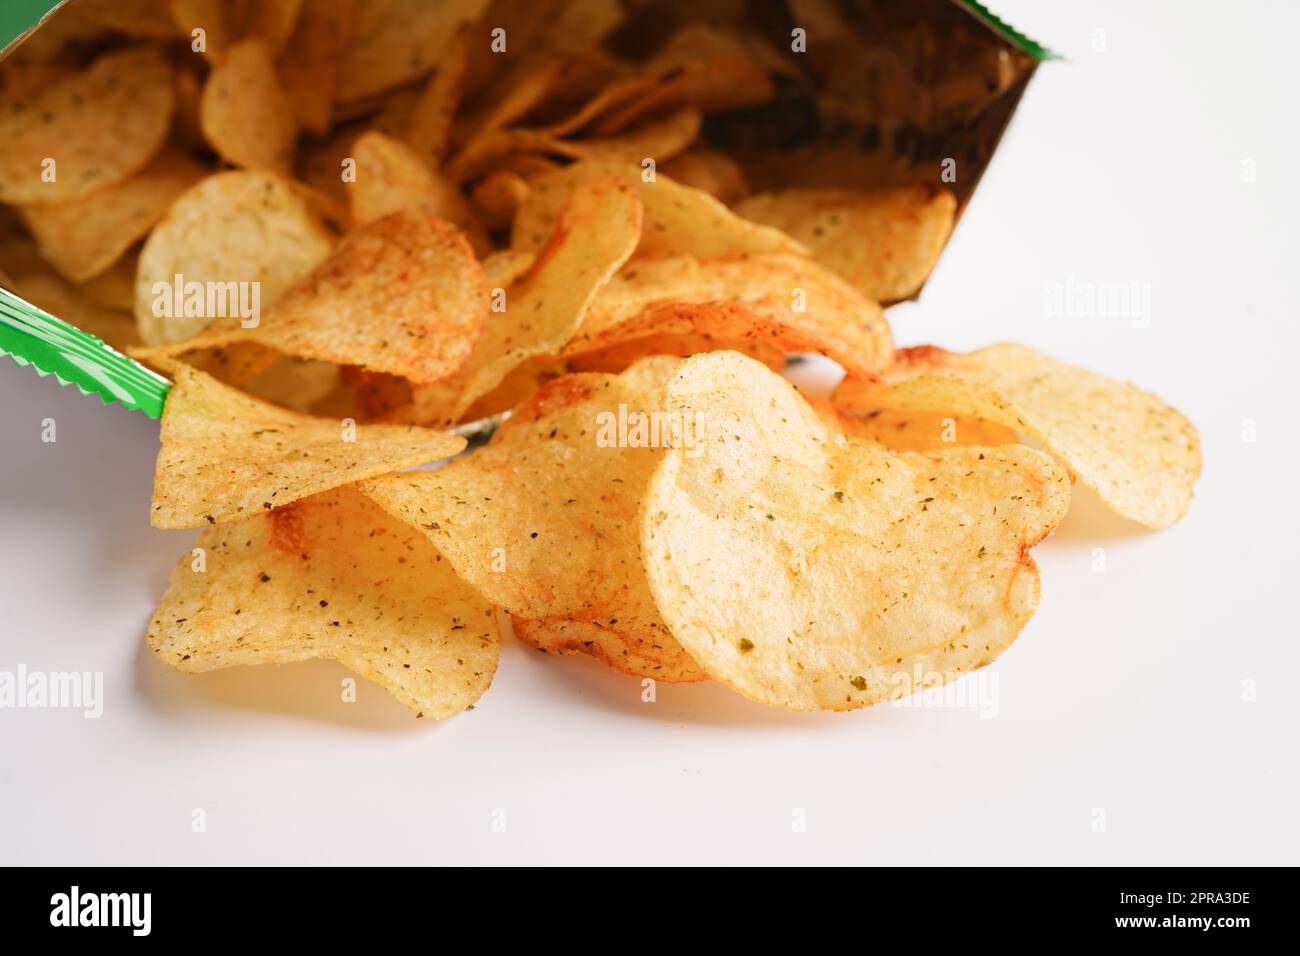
column 1121, row 702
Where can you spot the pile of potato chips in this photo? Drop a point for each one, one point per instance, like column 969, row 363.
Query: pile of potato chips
column 344, row 228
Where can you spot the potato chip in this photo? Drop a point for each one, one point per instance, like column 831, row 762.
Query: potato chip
column 1138, row 454
column 789, row 302
column 593, row 237
column 402, row 295
column 226, row 455
column 536, row 86
column 914, row 430
column 708, row 171
column 88, row 131
column 274, row 21
column 115, row 288
column 332, row 577
column 810, row 571
column 678, row 219
column 700, row 66
column 187, row 84
column 543, row 521
column 646, row 653
column 245, row 113
column 428, row 126
column 294, row 383
column 884, row 242
column 391, row 177
column 213, row 26
column 498, row 196
column 237, row 227
column 620, row 355
column 657, row 138
column 83, row 237
column 400, row 40
column 65, row 302
column 313, row 59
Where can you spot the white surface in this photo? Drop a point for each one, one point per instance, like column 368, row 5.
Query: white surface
column 1124, row 694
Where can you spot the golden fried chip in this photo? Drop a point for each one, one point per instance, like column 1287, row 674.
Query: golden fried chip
column 333, row 577
column 543, row 521
column 83, row 237
column 66, row 302
column 246, row 226
column 294, row 383
column 226, row 455
column 428, row 125
column 402, row 295
column 400, row 40
column 789, row 302
column 700, row 66
column 656, row 138
column 115, row 288
column 810, row 571
column 244, row 112
column 213, row 26
column 616, row 357
column 883, row 242
column 274, row 21
column 678, row 219
column 1141, row 456
column 313, row 59
column 593, row 237
column 391, row 177
column 88, row 131
column 498, row 196
column 914, row 430
column 709, row 171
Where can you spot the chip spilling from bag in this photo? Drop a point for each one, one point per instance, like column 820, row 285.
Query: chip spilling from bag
column 331, row 576
column 811, row 571
column 489, row 309
column 226, row 455
column 1138, row 454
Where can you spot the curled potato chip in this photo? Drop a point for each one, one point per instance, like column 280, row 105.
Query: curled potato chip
column 83, row 237
column 788, row 302
column 332, row 577
column 398, row 41
column 679, row 220
column 226, row 455
column 87, row 131
column 390, row 177
column 657, row 138
column 245, row 114
column 700, row 66
column 593, row 237
column 428, row 125
column 543, row 521
column 313, row 59
column 883, row 242
column 1141, row 456
column 237, row 227
column 498, row 196
column 402, row 295
column 811, row 571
